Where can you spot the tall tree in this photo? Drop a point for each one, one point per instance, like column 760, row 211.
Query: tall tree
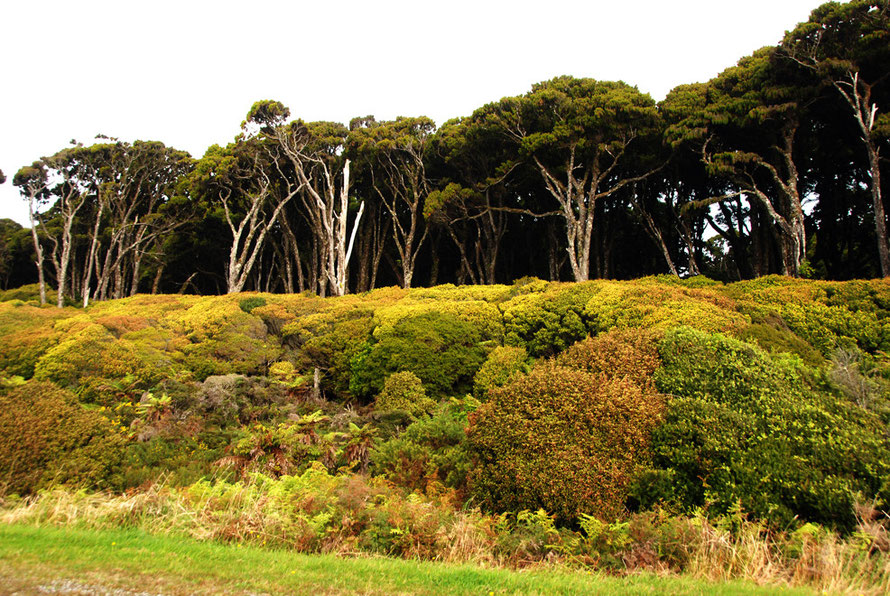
column 309, row 158
column 32, row 182
column 55, row 183
column 472, row 201
column 848, row 47
column 579, row 134
column 395, row 154
column 133, row 210
column 745, row 123
column 237, row 182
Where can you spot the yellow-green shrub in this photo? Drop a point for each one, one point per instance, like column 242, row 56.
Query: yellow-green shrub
column 443, row 350
column 26, row 332
column 651, row 304
column 502, row 363
column 404, row 391
column 746, row 427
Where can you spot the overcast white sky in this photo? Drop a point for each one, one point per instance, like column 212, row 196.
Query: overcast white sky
column 185, row 72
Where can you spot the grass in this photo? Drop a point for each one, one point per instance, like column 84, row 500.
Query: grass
column 34, row 557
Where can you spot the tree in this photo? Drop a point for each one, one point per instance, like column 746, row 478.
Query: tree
column 581, row 134
column 238, row 180
column 848, row 47
column 395, row 154
column 55, row 182
column 471, row 203
column 32, row 182
column 745, row 123
column 133, row 210
column 310, row 161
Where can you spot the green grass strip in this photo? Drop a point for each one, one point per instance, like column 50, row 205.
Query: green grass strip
column 32, row 556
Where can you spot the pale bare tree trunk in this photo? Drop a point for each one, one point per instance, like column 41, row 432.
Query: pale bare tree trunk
column 38, row 248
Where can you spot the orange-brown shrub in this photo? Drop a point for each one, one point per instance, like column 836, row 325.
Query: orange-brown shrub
column 628, row 353
column 46, row 437
column 562, row 439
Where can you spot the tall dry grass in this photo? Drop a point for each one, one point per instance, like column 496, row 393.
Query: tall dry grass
column 357, row 516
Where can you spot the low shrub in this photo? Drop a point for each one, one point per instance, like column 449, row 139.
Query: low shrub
column 546, row 323
column 47, row 438
column 561, row 439
column 430, row 452
column 443, row 350
column 404, row 391
column 501, row 364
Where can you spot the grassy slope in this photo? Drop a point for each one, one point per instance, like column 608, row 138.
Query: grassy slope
column 90, row 561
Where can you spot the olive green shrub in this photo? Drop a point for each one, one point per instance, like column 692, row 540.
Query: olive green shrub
column 443, row 350
column 403, row 391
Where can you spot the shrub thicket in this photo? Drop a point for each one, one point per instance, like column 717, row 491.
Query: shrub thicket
column 443, row 350
column 747, row 428
column 502, row 363
column 403, row 391
column 430, row 452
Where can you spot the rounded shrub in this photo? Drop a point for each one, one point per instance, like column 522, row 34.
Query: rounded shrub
column 442, row 350
column 46, row 438
column 562, row 439
column 502, row 363
column 744, row 427
column 404, row 391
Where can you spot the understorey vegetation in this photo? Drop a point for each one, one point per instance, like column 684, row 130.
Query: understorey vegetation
column 724, row 430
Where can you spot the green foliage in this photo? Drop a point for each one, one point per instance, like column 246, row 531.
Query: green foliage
column 29, row 293
column 773, row 335
column 502, row 363
column 563, row 439
column 548, row 322
column 430, row 452
column 827, row 315
column 46, row 438
column 329, row 339
column 248, row 304
column 746, row 427
column 87, row 357
column 404, row 391
column 443, row 350
column 26, row 333
column 656, row 304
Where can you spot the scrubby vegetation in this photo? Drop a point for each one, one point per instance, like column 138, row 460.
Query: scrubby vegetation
column 655, row 424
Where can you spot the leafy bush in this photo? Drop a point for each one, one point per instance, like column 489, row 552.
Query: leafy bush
column 248, row 304
column 46, row 438
column 545, row 323
column 431, row 451
column 746, row 427
column 26, row 333
column 653, row 304
column 443, row 350
column 329, row 340
column 403, row 391
column 502, row 363
column 562, row 439
column 630, row 354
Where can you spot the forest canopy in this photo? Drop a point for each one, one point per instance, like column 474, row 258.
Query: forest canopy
column 774, row 166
